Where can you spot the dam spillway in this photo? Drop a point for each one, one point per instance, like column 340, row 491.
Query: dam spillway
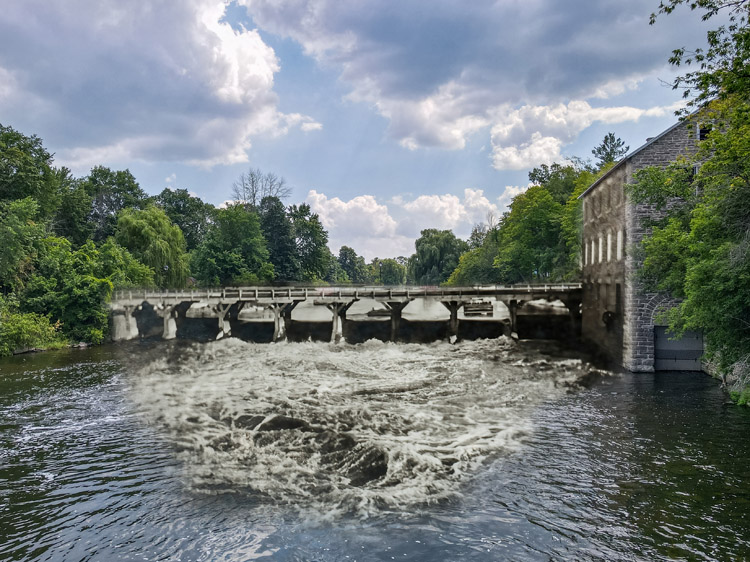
column 493, row 308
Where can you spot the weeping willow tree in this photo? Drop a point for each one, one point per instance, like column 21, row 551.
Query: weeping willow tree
column 152, row 238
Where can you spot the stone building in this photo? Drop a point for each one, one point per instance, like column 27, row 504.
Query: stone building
column 618, row 316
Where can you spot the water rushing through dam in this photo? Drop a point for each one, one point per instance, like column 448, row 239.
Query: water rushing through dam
column 344, row 429
column 485, row 450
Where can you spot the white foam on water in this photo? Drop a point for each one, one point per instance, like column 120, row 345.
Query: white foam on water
column 333, row 429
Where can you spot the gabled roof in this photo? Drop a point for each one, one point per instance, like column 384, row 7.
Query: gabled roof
column 629, row 156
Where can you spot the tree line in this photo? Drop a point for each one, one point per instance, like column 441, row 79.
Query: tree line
column 70, row 242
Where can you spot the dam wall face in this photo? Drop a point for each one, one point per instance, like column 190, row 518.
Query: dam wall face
column 422, row 321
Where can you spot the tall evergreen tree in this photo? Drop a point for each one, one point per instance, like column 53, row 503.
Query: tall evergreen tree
column 278, row 231
column 610, row 150
column 312, row 242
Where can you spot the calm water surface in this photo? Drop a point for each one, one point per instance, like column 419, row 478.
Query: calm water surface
column 479, row 451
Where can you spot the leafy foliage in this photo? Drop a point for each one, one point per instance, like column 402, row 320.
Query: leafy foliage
column 312, row 242
column 21, row 331
column 65, row 286
column 354, row 265
column 539, row 238
column 191, row 214
column 72, row 220
column 111, row 192
column 234, row 251
column 529, row 237
column 20, row 239
column 700, row 251
column 721, row 69
column 437, row 255
column 392, row 273
column 336, row 274
column 120, row 267
column 152, row 238
column 26, row 171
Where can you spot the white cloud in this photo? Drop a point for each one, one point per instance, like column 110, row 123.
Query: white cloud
column 377, row 230
column 438, row 211
column 616, row 87
column 360, row 214
column 360, row 223
column 438, row 120
column 165, row 81
column 171, row 178
column 532, row 135
column 311, row 126
column 538, row 150
column 441, row 72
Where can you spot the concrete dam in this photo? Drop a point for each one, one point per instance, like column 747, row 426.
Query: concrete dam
column 265, row 314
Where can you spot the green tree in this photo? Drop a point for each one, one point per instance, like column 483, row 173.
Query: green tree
column 234, row 251
column 610, row 150
column 437, row 254
column 111, row 192
column 529, row 238
column 557, row 179
column 152, row 238
column 700, row 250
column 20, row 238
column 26, row 171
column 65, row 287
column 278, row 231
column 354, row 265
column 72, row 220
column 21, row 331
column 119, row 266
column 312, row 242
column 722, row 68
column 571, row 226
column 392, row 273
column 191, row 214
column 477, row 266
column 336, row 274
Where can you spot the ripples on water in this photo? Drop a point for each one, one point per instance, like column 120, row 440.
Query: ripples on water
column 479, row 451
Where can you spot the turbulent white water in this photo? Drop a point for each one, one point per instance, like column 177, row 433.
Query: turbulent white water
column 344, row 428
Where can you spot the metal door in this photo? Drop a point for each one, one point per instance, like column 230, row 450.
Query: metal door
column 683, row 354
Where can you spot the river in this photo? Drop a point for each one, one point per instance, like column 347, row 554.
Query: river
column 484, row 450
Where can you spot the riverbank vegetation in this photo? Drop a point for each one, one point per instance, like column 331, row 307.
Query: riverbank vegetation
column 700, row 250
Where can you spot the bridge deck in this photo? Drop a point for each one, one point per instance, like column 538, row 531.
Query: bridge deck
column 341, row 294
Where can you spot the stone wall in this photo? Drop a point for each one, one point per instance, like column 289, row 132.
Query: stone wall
column 604, row 251
column 623, row 325
column 641, row 307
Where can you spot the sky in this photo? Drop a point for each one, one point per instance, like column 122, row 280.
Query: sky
column 386, row 116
